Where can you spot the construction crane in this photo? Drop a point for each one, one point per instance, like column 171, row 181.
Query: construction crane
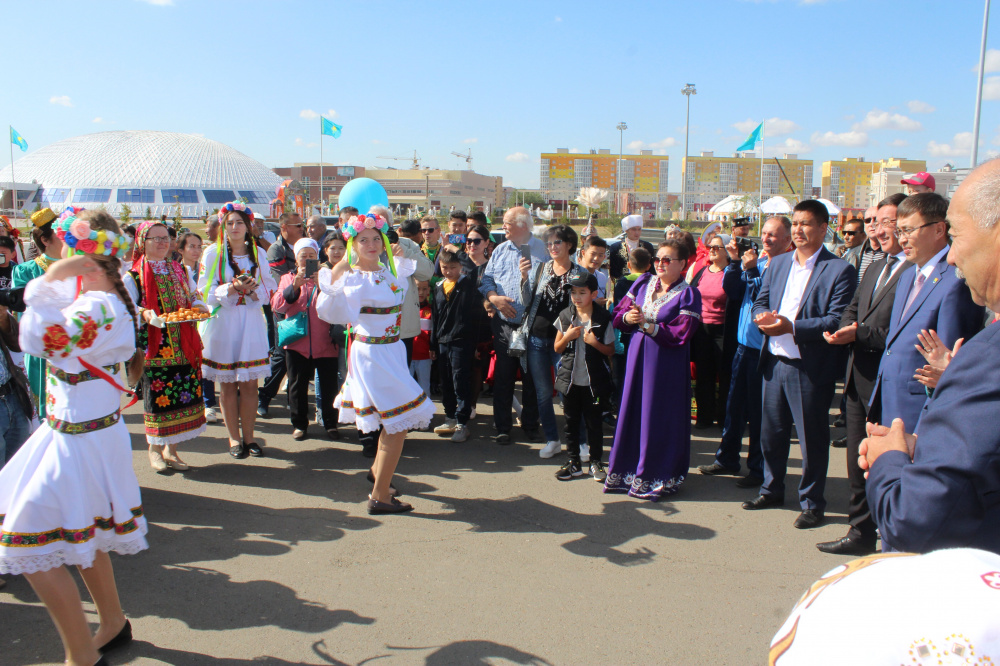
column 415, row 159
column 466, row 157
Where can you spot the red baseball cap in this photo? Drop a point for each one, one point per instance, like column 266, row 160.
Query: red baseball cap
column 922, row 178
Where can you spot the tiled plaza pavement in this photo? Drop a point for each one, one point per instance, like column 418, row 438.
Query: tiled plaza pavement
column 275, row 561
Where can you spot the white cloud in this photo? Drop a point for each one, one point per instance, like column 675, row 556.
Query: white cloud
column 300, row 142
column 159, row 3
column 377, row 142
column 575, row 150
column 789, row 145
column 473, row 140
column 960, row 146
column 308, row 114
column 658, row 147
column 991, row 87
column 992, row 61
column 899, row 143
column 559, row 19
column 772, row 126
column 98, row 119
column 883, row 120
column 518, row 157
column 848, row 139
column 61, row 100
column 916, row 106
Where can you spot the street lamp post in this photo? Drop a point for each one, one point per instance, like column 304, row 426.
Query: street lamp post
column 621, row 127
column 979, row 89
column 687, row 91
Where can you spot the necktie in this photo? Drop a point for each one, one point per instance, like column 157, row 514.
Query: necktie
column 886, row 274
column 913, row 292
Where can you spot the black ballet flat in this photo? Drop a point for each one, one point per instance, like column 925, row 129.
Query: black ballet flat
column 254, row 449
column 123, row 638
column 239, row 451
column 392, row 488
column 395, row 506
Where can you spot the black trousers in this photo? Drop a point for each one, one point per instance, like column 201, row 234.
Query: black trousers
column 858, row 514
column 301, row 370
column 277, row 356
column 580, row 405
column 711, row 376
column 504, row 373
column 455, row 361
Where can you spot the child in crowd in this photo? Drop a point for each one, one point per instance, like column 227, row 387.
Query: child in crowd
column 454, row 334
column 585, row 338
column 592, row 256
column 420, row 366
column 638, row 263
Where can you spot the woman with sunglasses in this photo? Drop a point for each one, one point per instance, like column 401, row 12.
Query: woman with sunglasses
column 711, row 375
column 477, row 239
column 548, row 283
column 652, row 449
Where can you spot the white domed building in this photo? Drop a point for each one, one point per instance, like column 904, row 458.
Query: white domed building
column 141, row 169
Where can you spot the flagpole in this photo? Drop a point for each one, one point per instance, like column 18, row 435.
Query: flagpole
column 760, row 194
column 13, row 183
column 321, row 165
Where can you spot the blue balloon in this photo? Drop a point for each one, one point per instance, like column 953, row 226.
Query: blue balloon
column 363, row 193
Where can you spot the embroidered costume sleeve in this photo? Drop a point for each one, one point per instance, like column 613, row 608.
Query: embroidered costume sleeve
column 340, row 302
column 677, row 330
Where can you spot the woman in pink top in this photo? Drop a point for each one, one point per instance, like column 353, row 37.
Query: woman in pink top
column 316, row 351
column 712, row 379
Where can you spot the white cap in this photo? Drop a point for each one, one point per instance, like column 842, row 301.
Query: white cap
column 303, row 243
column 631, row 221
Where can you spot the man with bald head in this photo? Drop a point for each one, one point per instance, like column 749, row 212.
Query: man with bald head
column 940, row 486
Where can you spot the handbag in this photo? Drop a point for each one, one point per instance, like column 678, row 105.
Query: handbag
column 294, row 328
column 518, row 346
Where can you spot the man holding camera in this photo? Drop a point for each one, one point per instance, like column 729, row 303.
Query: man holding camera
column 741, row 282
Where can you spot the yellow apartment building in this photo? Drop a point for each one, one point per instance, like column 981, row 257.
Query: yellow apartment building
column 711, row 178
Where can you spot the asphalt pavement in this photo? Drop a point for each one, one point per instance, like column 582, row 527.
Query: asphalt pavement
column 275, row 561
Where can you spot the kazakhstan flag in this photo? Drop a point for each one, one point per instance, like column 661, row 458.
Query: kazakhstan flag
column 752, row 140
column 329, row 127
column 18, row 140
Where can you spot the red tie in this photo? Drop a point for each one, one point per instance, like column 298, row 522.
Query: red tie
column 914, row 292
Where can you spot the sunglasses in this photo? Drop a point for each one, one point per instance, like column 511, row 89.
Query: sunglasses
column 869, row 220
column 851, row 233
column 664, row 260
column 716, row 247
column 554, row 243
column 427, row 231
column 473, row 241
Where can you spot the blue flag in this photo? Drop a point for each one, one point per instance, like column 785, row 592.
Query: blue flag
column 18, row 140
column 752, row 140
column 329, row 127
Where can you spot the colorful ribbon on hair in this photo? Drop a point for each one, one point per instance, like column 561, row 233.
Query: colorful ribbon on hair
column 79, row 237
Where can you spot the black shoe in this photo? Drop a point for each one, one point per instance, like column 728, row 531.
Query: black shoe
column 254, row 449
column 333, row 433
column 847, row 546
column 124, row 637
column 570, row 470
column 239, row 451
column 839, row 443
column 763, row 502
column 262, row 410
column 598, row 471
column 502, row 438
column 395, row 506
column 840, row 421
column 808, row 519
column 749, row 481
column 532, row 435
column 716, row 468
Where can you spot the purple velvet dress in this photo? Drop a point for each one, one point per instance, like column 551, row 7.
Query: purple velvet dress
column 652, row 449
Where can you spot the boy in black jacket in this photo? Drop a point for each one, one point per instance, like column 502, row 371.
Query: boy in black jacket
column 455, row 311
column 585, row 339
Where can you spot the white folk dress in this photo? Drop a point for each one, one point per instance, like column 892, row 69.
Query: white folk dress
column 235, row 341
column 379, row 390
column 70, row 490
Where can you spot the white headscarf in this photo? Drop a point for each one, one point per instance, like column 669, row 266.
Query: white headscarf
column 631, row 221
column 303, row 243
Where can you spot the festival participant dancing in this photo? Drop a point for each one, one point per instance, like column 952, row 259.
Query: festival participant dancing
column 235, row 287
column 652, row 448
column 368, row 296
column 171, row 382
column 69, row 495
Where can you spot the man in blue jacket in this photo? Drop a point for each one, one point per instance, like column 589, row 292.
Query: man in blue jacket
column 940, row 487
column 741, row 282
column 803, row 296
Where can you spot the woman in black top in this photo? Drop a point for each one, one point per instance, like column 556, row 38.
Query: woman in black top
column 477, row 240
column 548, row 284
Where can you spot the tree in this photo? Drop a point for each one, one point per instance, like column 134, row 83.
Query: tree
column 126, row 214
column 149, row 213
column 519, row 198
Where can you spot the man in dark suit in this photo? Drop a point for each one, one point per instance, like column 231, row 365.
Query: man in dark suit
column 945, row 491
column 803, row 296
column 618, row 253
column 865, row 327
column 929, row 297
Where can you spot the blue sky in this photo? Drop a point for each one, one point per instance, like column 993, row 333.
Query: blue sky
column 843, row 78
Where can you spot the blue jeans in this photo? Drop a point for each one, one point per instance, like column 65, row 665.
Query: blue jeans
column 542, row 359
column 15, row 427
column 208, row 393
column 743, row 406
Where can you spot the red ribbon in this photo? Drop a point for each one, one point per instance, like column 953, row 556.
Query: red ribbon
column 99, row 372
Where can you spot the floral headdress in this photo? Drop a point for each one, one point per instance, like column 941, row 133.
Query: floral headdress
column 235, row 206
column 11, row 230
column 79, row 237
column 359, row 223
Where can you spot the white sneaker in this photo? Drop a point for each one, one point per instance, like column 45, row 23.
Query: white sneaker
column 584, row 453
column 472, row 414
column 211, row 416
column 551, row 449
column 447, row 428
column 461, row 434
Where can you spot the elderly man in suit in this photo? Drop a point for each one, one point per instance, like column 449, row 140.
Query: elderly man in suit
column 803, row 296
column 929, row 297
column 940, row 487
column 864, row 329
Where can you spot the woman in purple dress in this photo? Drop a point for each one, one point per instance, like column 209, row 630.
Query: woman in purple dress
column 652, row 448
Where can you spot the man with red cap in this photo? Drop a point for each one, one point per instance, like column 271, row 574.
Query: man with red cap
column 919, row 182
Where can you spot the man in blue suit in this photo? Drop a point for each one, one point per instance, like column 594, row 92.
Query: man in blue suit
column 803, row 296
column 940, row 488
column 928, row 297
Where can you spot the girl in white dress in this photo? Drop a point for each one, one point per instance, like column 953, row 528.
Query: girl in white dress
column 235, row 286
column 379, row 391
column 70, row 495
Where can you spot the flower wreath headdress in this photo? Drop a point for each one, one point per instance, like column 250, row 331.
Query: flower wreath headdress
column 11, row 230
column 359, row 223
column 79, row 237
column 217, row 267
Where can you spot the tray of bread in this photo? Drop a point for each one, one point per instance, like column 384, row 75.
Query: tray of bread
column 180, row 316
